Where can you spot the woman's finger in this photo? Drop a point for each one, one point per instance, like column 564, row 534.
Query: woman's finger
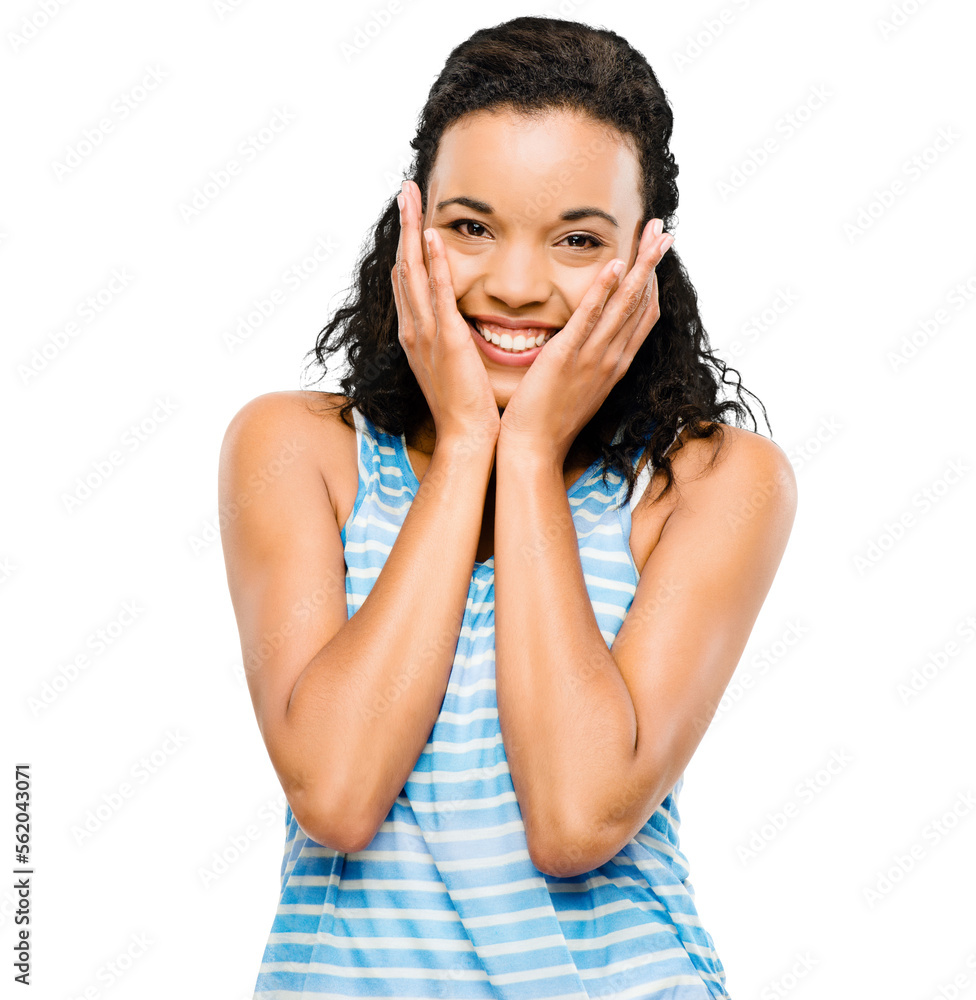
column 440, row 284
column 405, row 310
column 624, row 299
column 405, row 327
column 627, row 298
column 588, row 312
column 640, row 322
column 624, row 325
column 412, row 268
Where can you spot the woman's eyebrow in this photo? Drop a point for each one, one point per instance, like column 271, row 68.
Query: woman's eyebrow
column 571, row 215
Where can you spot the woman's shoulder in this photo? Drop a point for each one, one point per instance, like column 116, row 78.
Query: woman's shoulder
column 734, row 466
column 310, row 419
column 720, row 482
column 278, row 428
column 297, row 411
column 291, row 405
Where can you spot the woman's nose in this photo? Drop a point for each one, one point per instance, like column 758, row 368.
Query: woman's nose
column 516, row 277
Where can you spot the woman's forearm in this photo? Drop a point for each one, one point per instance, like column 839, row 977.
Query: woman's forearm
column 363, row 708
column 565, row 712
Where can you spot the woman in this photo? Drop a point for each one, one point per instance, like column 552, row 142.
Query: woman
column 481, row 640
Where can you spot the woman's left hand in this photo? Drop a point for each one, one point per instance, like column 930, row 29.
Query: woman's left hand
column 574, row 372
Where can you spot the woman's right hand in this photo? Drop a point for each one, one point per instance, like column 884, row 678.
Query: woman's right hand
column 437, row 338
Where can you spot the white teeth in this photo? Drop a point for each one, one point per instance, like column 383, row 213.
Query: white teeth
column 502, row 337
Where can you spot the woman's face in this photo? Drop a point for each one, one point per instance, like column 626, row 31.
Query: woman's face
column 512, row 253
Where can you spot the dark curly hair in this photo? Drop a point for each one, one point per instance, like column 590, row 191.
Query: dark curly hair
column 531, row 65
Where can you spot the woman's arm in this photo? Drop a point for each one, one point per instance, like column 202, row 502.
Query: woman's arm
column 596, row 737
column 344, row 705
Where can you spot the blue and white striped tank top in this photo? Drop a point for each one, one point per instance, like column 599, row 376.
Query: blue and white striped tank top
column 444, row 901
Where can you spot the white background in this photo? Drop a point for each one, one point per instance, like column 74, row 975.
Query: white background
column 844, row 625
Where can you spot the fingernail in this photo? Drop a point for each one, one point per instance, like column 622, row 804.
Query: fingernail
column 400, row 200
column 618, row 266
column 428, row 233
column 657, row 227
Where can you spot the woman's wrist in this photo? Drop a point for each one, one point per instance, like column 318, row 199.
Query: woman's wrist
column 474, row 445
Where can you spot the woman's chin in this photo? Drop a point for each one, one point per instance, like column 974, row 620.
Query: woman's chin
column 504, row 385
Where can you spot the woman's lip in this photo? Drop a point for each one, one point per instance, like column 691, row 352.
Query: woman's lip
column 500, row 357
column 515, row 324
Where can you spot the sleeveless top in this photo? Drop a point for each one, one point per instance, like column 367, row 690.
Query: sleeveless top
column 445, row 901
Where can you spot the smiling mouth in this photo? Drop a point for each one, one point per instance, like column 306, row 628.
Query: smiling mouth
column 513, row 341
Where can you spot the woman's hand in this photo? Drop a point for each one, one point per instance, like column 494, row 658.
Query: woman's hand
column 574, row 372
column 437, row 338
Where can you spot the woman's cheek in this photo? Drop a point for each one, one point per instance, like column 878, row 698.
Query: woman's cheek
column 570, row 286
column 464, row 270
column 575, row 286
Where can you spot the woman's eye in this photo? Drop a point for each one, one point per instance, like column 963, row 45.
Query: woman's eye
column 477, row 230
column 584, row 236
column 467, row 222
